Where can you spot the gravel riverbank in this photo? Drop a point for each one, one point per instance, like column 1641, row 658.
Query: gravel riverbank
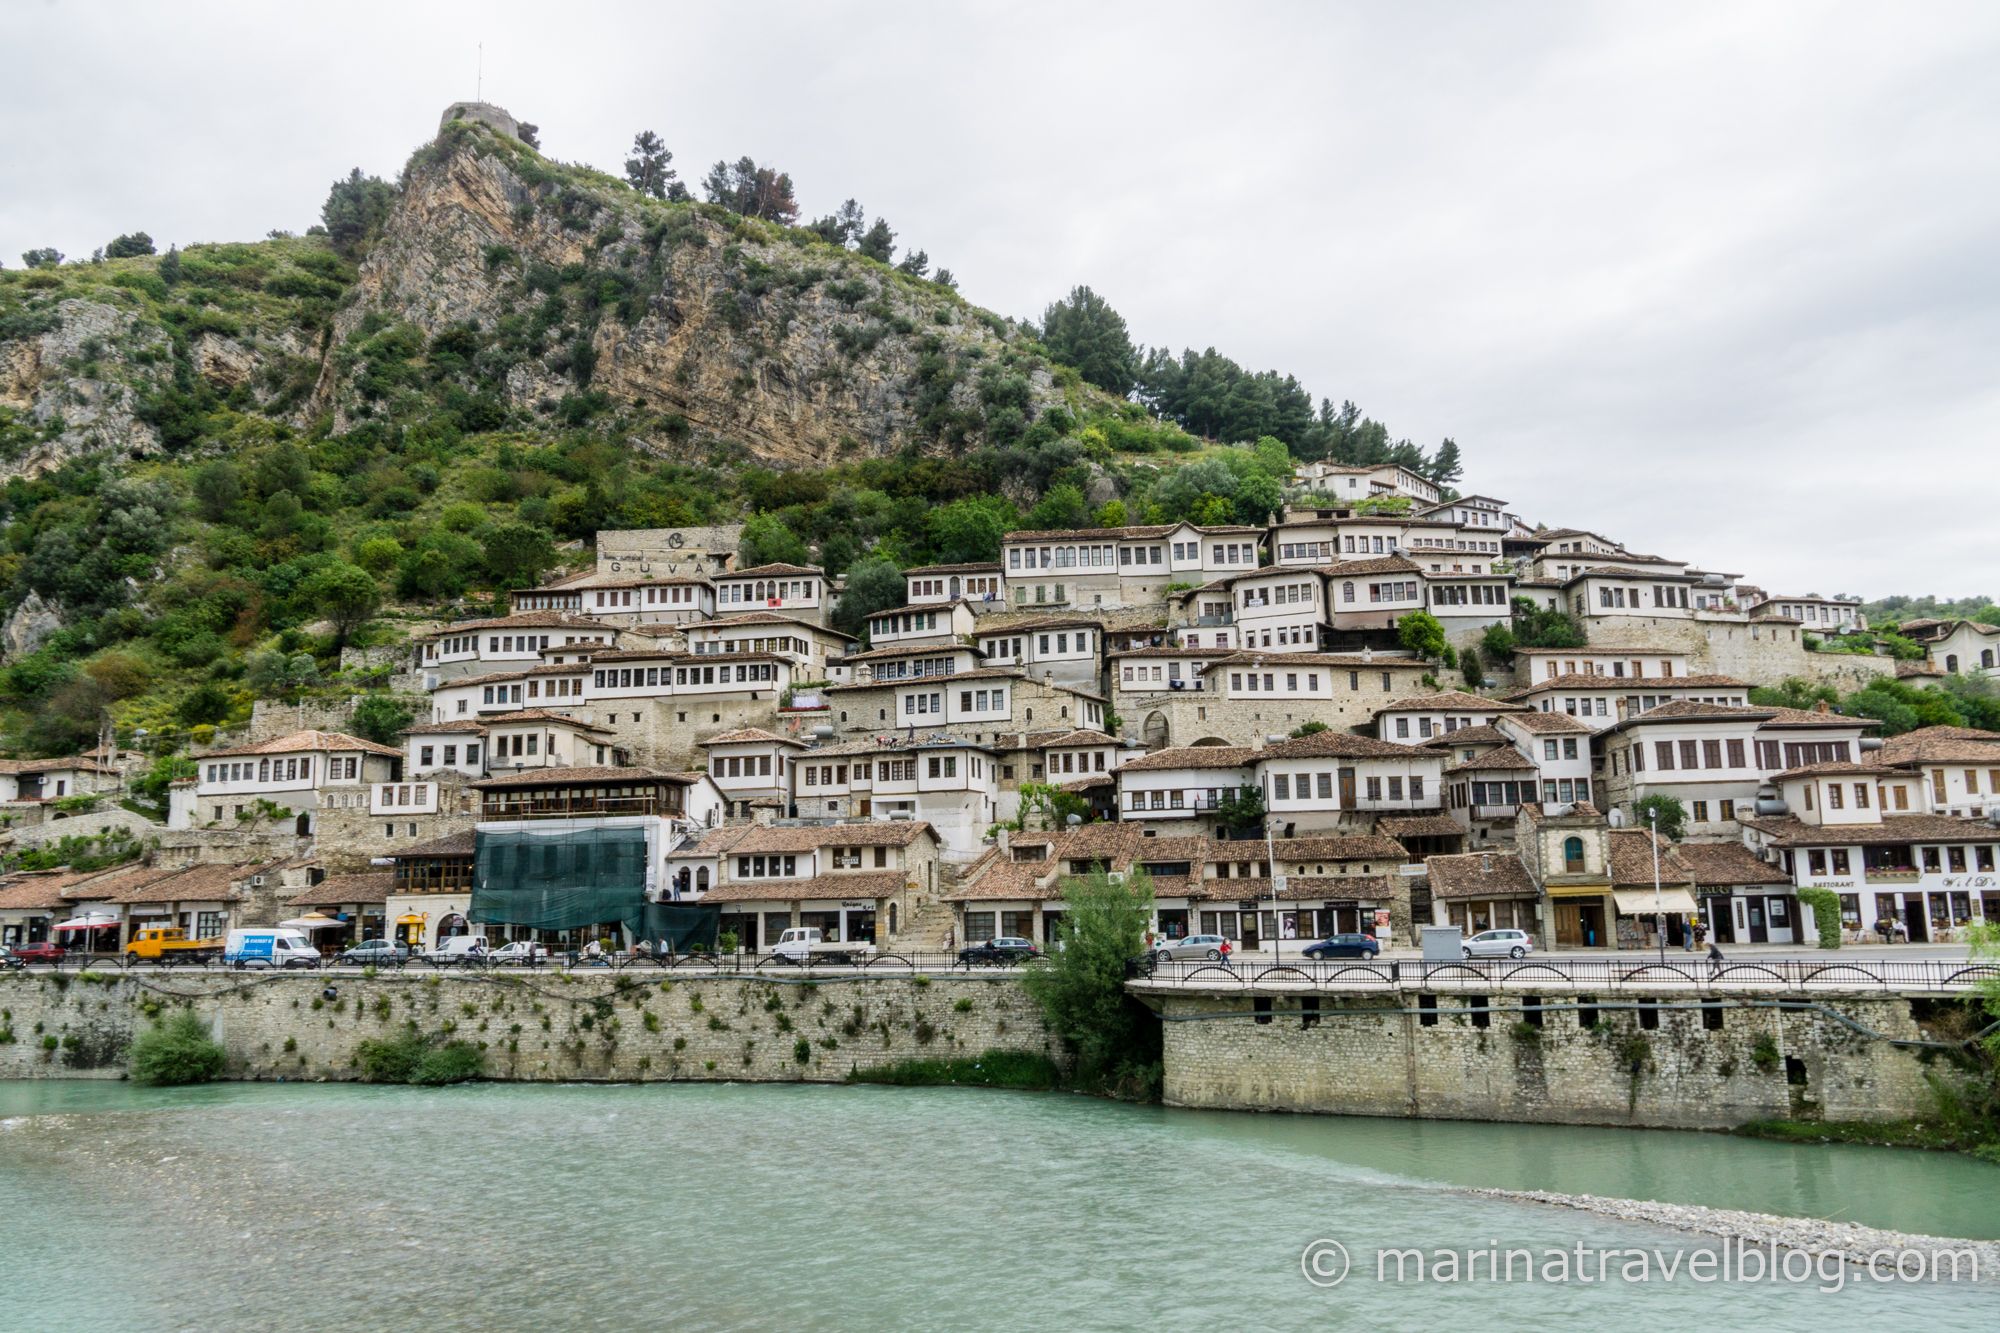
column 1851, row 1241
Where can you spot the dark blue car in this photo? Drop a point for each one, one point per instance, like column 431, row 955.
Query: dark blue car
column 1344, row 946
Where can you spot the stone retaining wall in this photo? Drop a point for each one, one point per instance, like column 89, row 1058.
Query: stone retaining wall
column 535, row 1026
column 1363, row 1056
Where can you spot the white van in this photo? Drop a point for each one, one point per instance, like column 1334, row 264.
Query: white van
column 459, row 950
column 269, row 946
column 805, row 944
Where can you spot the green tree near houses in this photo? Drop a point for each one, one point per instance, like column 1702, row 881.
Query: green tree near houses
column 1671, row 813
column 1113, row 1041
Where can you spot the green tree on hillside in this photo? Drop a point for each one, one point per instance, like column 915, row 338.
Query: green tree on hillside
column 129, row 245
column 916, row 263
column 767, row 541
column 517, row 554
column 1083, row 331
column 382, row 718
column 46, row 257
column 344, row 595
column 648, row 170
column 968, row 531
column 1422, row 634
column 355, row 210
column 1062, row 507
column 1446, row 468
column 878, row 242
column 754, row 191
column 873, row 584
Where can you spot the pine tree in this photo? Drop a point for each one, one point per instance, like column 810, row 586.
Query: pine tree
column 647, row 170
column 879, row 242
column 1084, row 331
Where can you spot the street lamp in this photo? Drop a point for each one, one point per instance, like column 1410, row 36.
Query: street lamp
column 1659, row 912
column 1271, row 869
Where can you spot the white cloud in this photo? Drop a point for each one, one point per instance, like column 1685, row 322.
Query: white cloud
column 1715, row 279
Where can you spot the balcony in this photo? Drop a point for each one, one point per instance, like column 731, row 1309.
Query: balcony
column 1891, row 874
column 579, row 805
column 1212, row 622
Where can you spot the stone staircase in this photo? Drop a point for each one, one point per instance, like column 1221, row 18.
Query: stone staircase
column 926, row 929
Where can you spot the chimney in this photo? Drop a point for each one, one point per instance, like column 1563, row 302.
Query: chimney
column 1005, row 842
column 1486, row 863
column 1821, row 707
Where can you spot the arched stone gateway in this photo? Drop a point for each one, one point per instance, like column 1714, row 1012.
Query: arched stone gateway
column 1153, row 731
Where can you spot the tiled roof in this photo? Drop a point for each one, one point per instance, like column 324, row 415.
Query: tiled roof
column 750, row 736
column 1692, row 710
column 541, row 715
column 1342, row 745
column 1192, row 756
column 1480, row 875
column 202, row 883
column 464, row 725
column 896, row 650
column 1005, row 880
column 1085, row 736
column 1366, row 847
column 32, row 890
column 846, row 884
column 1546, row 724
column 1835, row 768
column 1816, row 717
column 76, row 763
column 1418, row 826
column 452, row 844
column 765, row 618
column 1790, row 831
column 1387, row 564
column 1501, row 758
column 1449, row 701
column 305, row 740
column 1942, row 745
column 1632, row 859
column 339, row 890
column 900, row 833
column 1717, row 863
column 1482, row 735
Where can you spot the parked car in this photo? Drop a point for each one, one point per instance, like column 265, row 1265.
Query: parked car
column 1344, row 946
column 10, row 959
column 269, row 946
column 1003, row 949
column 806, row 944
column 1212, row 947
column 520, row 953
column 48, row 951
column 375, row 953
column 1499, row 944
column 459, row 951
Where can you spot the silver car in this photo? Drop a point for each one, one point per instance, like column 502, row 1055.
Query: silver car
column 1214, row 948
column 1499, row 944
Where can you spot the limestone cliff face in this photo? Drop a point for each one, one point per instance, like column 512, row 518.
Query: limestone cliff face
column 79, row 385
column 694, row 323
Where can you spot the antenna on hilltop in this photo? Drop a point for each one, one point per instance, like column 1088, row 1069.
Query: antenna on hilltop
column 479, row 81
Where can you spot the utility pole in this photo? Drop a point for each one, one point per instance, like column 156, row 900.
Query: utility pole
column 479, row 80
column 1659, row 913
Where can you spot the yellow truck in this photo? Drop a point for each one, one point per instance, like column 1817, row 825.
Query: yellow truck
column 167, row 945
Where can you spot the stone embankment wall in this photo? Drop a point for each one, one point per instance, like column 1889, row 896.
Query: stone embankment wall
column 1364, row 1056
column 536, row 1026
column 1761, row 654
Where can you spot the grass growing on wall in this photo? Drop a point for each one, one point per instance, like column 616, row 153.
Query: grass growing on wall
column 994, row 1069
column 413, row 1057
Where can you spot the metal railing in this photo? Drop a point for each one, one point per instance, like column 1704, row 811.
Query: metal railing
column 1364, row 975
column 888, row 962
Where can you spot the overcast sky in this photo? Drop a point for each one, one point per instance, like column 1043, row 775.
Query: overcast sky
column 1718, row 281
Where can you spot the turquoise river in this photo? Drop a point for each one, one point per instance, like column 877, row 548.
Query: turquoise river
column 496, row 1206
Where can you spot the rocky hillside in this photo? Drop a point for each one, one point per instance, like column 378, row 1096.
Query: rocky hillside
column 682, row 317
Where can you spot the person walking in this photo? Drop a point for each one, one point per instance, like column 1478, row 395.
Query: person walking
column 1715, row 959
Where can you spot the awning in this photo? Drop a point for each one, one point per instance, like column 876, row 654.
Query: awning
column 93, row 921
column 312, row 921
column 411, row 919
column 1640, row 902
column 1577, row 890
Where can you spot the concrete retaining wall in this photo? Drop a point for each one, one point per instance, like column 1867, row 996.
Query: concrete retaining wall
column 1364, row 1057
column 534, row 1026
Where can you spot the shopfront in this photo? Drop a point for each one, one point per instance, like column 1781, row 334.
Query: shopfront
column 1582, row 917
column 1753, row 916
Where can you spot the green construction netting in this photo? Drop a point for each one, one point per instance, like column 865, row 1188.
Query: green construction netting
column 568, row 878
column 558, row 879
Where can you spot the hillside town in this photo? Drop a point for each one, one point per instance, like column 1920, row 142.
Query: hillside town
column 1240, row 712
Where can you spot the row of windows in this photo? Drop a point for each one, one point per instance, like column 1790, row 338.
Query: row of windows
column 1237, row 679
column 768, row 590
column 1572, row 667
column 908, row 623
column 1319, row 786
column 1425, row 728
column 747, row 766
column 633, row 678
column 1460, row 594
column 1285, row 594
column 425, row 753
column 680, row 594
column 298, row 769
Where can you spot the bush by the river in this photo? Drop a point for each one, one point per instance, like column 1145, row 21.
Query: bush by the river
column 1115, row 1040
column 176, row 1050
column 416, row 1058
